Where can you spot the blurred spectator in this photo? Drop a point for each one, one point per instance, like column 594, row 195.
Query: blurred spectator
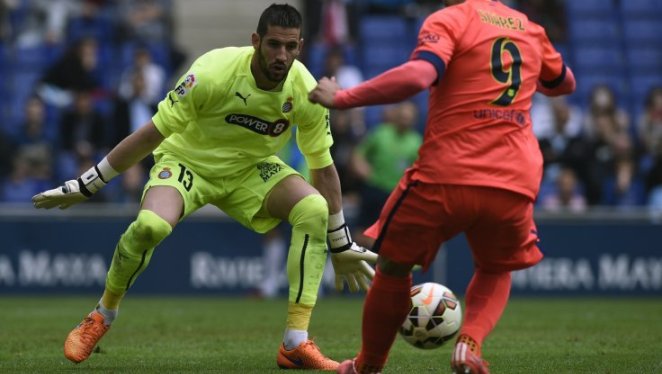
column 7, row 150
column 381, row 159
column 82, row 134
column 335, row 23
column 91, row 20
column 33, row 130
column 133, row 108
column 560, row 142
column 331, row 22
column 145, row 20
column 602, row 101
column 609, row 163
column 345, row 138
column 39, row 22
column 149, row 22
column 347, row 76
column 75, row 71
column 130, row 112
column 566, row 195
column 548, row 13
column 29, row 175
column 152, row 79
column 650, row 123
column 650, row 135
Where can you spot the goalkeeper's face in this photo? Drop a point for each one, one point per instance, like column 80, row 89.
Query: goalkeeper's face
column 276, row 52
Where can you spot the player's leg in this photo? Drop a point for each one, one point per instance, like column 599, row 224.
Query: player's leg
column 162, row 207
column 409, row 232
column 260, row 198
column 132, row 254
column 502, row 239
column 296, row 201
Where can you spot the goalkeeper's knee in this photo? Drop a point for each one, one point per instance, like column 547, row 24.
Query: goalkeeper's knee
column 310, row 215
column 135, row 249
column 147, row 231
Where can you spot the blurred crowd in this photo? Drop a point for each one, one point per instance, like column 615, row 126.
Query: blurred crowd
column 79, row 75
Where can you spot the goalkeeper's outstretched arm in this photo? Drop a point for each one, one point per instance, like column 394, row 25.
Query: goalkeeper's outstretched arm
column 135, row 147
column 128, row 152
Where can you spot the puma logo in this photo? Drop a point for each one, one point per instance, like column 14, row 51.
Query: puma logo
column 172, row 101
column 242, row 98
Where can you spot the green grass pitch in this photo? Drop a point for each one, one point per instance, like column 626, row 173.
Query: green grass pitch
column 237, row 335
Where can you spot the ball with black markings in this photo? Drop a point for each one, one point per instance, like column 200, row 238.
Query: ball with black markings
column 435, row 316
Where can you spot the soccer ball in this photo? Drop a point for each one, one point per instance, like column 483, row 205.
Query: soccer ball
column 435, row 316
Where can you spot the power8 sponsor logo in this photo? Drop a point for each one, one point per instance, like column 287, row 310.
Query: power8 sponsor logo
column 259, row 125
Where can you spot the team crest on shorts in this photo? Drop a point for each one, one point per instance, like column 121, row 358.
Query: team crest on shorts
column 287, row 106
column 165, row 173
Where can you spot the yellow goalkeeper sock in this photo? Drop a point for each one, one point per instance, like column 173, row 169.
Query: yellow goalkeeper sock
column 111, row 300
column 298, row 316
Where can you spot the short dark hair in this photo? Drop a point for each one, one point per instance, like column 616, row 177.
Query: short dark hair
column 283, row 15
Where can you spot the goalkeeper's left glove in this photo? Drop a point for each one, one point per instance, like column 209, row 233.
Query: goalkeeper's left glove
column 76, row 190
column 350, row 261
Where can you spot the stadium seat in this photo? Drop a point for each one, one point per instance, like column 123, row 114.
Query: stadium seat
column 593, row 31
column 377, row 58
column 98, row 28
column 315, row 55
column 641, row 84
column 644, row 58
column 587, row 80
column 579, row 8
column 36, row 58
column 382, row 28
column 640, row 7
column 599, row 58
column 642, row 30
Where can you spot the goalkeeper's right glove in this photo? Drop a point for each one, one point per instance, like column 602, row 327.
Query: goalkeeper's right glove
column 350, row 261
column 76, row 190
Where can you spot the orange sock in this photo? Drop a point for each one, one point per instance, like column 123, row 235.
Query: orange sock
column 386, row 307
column 485, row 301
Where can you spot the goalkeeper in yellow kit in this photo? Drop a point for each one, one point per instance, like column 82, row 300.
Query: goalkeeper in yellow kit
column 214, row 140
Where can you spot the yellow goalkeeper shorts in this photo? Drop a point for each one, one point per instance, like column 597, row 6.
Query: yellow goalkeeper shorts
column 240, row 196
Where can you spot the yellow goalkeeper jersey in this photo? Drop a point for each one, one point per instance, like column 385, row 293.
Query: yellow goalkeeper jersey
column 218, row 121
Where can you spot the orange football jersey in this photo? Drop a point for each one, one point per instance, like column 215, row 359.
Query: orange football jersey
column 478, row 130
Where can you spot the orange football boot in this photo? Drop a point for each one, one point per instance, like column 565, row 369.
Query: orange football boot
column 306, row 356
column 84, row 337
column 466, row 357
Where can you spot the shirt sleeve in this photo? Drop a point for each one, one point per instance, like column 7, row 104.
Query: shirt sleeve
column 439, row 36
column 179, row 108
column 553, row 68
column 314, row 136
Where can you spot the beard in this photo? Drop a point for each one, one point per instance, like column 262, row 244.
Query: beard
column 275, row 72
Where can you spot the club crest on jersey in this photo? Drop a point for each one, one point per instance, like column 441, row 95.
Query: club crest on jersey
column 287, row 106
column 258, row 125
column 165, row 173
column 189, row 82
column 427, row 37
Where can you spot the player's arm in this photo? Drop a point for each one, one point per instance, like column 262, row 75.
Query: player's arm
column 392, row 86
column 555, row 78
column 564, row 84
column 128, row 152
column 348, row 258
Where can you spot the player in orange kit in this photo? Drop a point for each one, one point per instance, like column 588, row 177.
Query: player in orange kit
column 478, row 170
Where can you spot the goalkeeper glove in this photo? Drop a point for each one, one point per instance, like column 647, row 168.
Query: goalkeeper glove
column 350, row 261
column 76, row 190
